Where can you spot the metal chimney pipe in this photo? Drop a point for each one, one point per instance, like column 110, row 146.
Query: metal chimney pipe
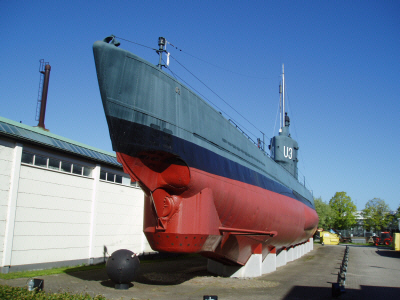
column 44, row 96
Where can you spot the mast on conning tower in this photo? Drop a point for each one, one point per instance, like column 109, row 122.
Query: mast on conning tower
column 282, row 101
column 283, row 147
column 161, row 44
column 283, row 96
column 284, row 120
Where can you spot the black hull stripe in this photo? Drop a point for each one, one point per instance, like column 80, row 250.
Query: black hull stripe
column 132, row 138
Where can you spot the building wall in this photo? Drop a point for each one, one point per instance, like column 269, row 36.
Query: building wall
column 6, row 157
column 119, row 219
column 53, row 217
column 50, row 218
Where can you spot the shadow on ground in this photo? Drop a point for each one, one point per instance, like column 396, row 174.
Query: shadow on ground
column 366, row 293
column 388, row 253
column 159, row 271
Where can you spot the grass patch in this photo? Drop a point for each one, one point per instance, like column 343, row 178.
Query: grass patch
column 8, row 292
column 37, row 273
column 53, row 271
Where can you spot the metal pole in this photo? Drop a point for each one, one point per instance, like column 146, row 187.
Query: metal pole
column 263, row 142
column 44, row 96
column 161, row 44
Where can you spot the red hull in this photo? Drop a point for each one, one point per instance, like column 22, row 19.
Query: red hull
column 188, row 210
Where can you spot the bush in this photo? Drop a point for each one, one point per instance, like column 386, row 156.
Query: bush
column 8, row 292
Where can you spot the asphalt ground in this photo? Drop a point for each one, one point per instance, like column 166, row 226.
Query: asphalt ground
column 373, row 273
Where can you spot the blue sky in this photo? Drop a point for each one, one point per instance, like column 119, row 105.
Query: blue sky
column 342, row 70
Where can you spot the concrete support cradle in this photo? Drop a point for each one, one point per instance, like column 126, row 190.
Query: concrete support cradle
column 255, row 266
column 281, row 258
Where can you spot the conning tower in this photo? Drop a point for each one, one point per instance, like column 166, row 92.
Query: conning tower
column 283, row 148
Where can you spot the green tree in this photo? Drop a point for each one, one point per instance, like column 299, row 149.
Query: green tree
column 343, row 211
column 394, row 224
column 376, row 214
column 324, row 212
column 397, row 212
column 396, row 219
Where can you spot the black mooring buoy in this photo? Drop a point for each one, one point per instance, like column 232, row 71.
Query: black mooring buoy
column 122, row 267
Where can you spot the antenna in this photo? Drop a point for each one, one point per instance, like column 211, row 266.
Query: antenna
column 280, row 106
column 283, row 95
column 282, row 100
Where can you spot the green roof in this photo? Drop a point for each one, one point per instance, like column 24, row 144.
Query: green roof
column 39, row 136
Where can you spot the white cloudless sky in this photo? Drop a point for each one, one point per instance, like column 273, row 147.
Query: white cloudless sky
column 342, row 69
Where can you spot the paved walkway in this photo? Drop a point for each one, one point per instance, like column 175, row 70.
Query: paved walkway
column 373, row 273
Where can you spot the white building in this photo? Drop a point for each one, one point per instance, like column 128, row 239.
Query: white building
column 63, row 203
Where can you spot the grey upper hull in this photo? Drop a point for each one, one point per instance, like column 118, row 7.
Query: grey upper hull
column 135, row 91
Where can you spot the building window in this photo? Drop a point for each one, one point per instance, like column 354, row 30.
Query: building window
column 111, row 177
column 66, row 166
column 27, row 158
column 77, row 169
column 55, row 164
column 118, row 179
column 115, row 178
column 134, row 184
column 108, row 176
column 40, row 161
column 87, row 172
